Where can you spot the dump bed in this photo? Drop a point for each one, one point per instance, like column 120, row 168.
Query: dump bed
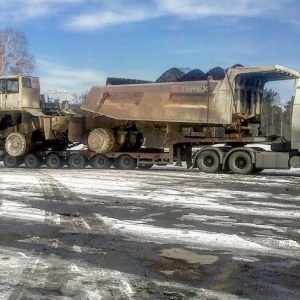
column 199, row 102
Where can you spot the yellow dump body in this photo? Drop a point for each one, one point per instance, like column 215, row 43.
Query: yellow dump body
column 216, row 102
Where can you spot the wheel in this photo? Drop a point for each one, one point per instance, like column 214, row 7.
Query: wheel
column 126, row 162
column 208, row 161
column 101, row 161
column 240, row 163
column 11, row 161
column 101, row 140
column 32, row 161
column 76, row 161
column 145, row 166
column 54, row 161
column 15, row 144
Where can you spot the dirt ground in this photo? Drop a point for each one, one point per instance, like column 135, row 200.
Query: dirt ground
column 164, row 233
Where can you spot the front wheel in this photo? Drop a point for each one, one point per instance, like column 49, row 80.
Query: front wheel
column 208, row 161
column 240, row 162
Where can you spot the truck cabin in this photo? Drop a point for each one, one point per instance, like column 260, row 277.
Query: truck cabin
column 19, row 92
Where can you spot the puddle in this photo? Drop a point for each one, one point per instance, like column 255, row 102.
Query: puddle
column 189, row 256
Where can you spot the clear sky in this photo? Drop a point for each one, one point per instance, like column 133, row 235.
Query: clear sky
column 78, row 43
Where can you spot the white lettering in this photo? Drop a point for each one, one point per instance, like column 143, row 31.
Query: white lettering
column 194, row 89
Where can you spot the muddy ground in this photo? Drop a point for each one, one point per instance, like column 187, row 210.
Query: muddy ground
column 164, row 233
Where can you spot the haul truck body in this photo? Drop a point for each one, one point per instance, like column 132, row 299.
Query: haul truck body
column 206, row 113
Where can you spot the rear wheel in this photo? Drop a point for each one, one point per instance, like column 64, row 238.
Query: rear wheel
column 54, row 161
column 240, row 163
column 208, row 161
column 126, row 162
column 11, row 161
column 76, row 161
column 101, row 161
column 32, row 161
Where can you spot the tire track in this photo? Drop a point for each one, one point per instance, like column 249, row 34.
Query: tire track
column 55, row 272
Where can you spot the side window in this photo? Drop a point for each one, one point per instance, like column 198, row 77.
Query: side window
column 26, row 82
column 2, row 86
column 12, row 86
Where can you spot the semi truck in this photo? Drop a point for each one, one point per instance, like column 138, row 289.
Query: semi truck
column 143, row 124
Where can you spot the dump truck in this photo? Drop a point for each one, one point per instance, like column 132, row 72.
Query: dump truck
column 145, row 124
column 209, row 113
column 38, row 128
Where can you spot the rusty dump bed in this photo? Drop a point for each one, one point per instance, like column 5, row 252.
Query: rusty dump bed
column 199, row 102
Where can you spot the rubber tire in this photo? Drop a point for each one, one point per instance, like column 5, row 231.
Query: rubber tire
column 101, row 161
column 54, row 161
column 32, row 161
column 145, row 167
column 126, row 162
column 208, row 161
column 11, row 161
column 240, row 163
column 76, row 161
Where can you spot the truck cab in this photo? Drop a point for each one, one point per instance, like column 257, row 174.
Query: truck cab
column 19, row 92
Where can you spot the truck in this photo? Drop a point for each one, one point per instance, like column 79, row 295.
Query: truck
column 37, row 128
column 143, row 124
column 219, row 116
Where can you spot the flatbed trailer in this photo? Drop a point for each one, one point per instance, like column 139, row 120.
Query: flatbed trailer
column 210, row 155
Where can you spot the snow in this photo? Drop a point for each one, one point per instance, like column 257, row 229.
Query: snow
column 210, row 212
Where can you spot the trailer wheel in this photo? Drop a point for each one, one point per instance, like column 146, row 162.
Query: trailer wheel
column 76, row 161
column 101, row 161
column 54, row 161
column 126, row 162
column 32, row 161
column 11, row 161
column 208, row 161
column 240, row 163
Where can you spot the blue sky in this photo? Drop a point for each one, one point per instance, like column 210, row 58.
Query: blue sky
column 78, row 43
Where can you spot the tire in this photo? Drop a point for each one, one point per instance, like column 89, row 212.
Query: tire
column 126, row 162
column 76, row 161
column 54, row 161
column 101, row 161
column 208, row 161
column 32, row 161
column 145, row 166
column 11, row 161
column 240, row 163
